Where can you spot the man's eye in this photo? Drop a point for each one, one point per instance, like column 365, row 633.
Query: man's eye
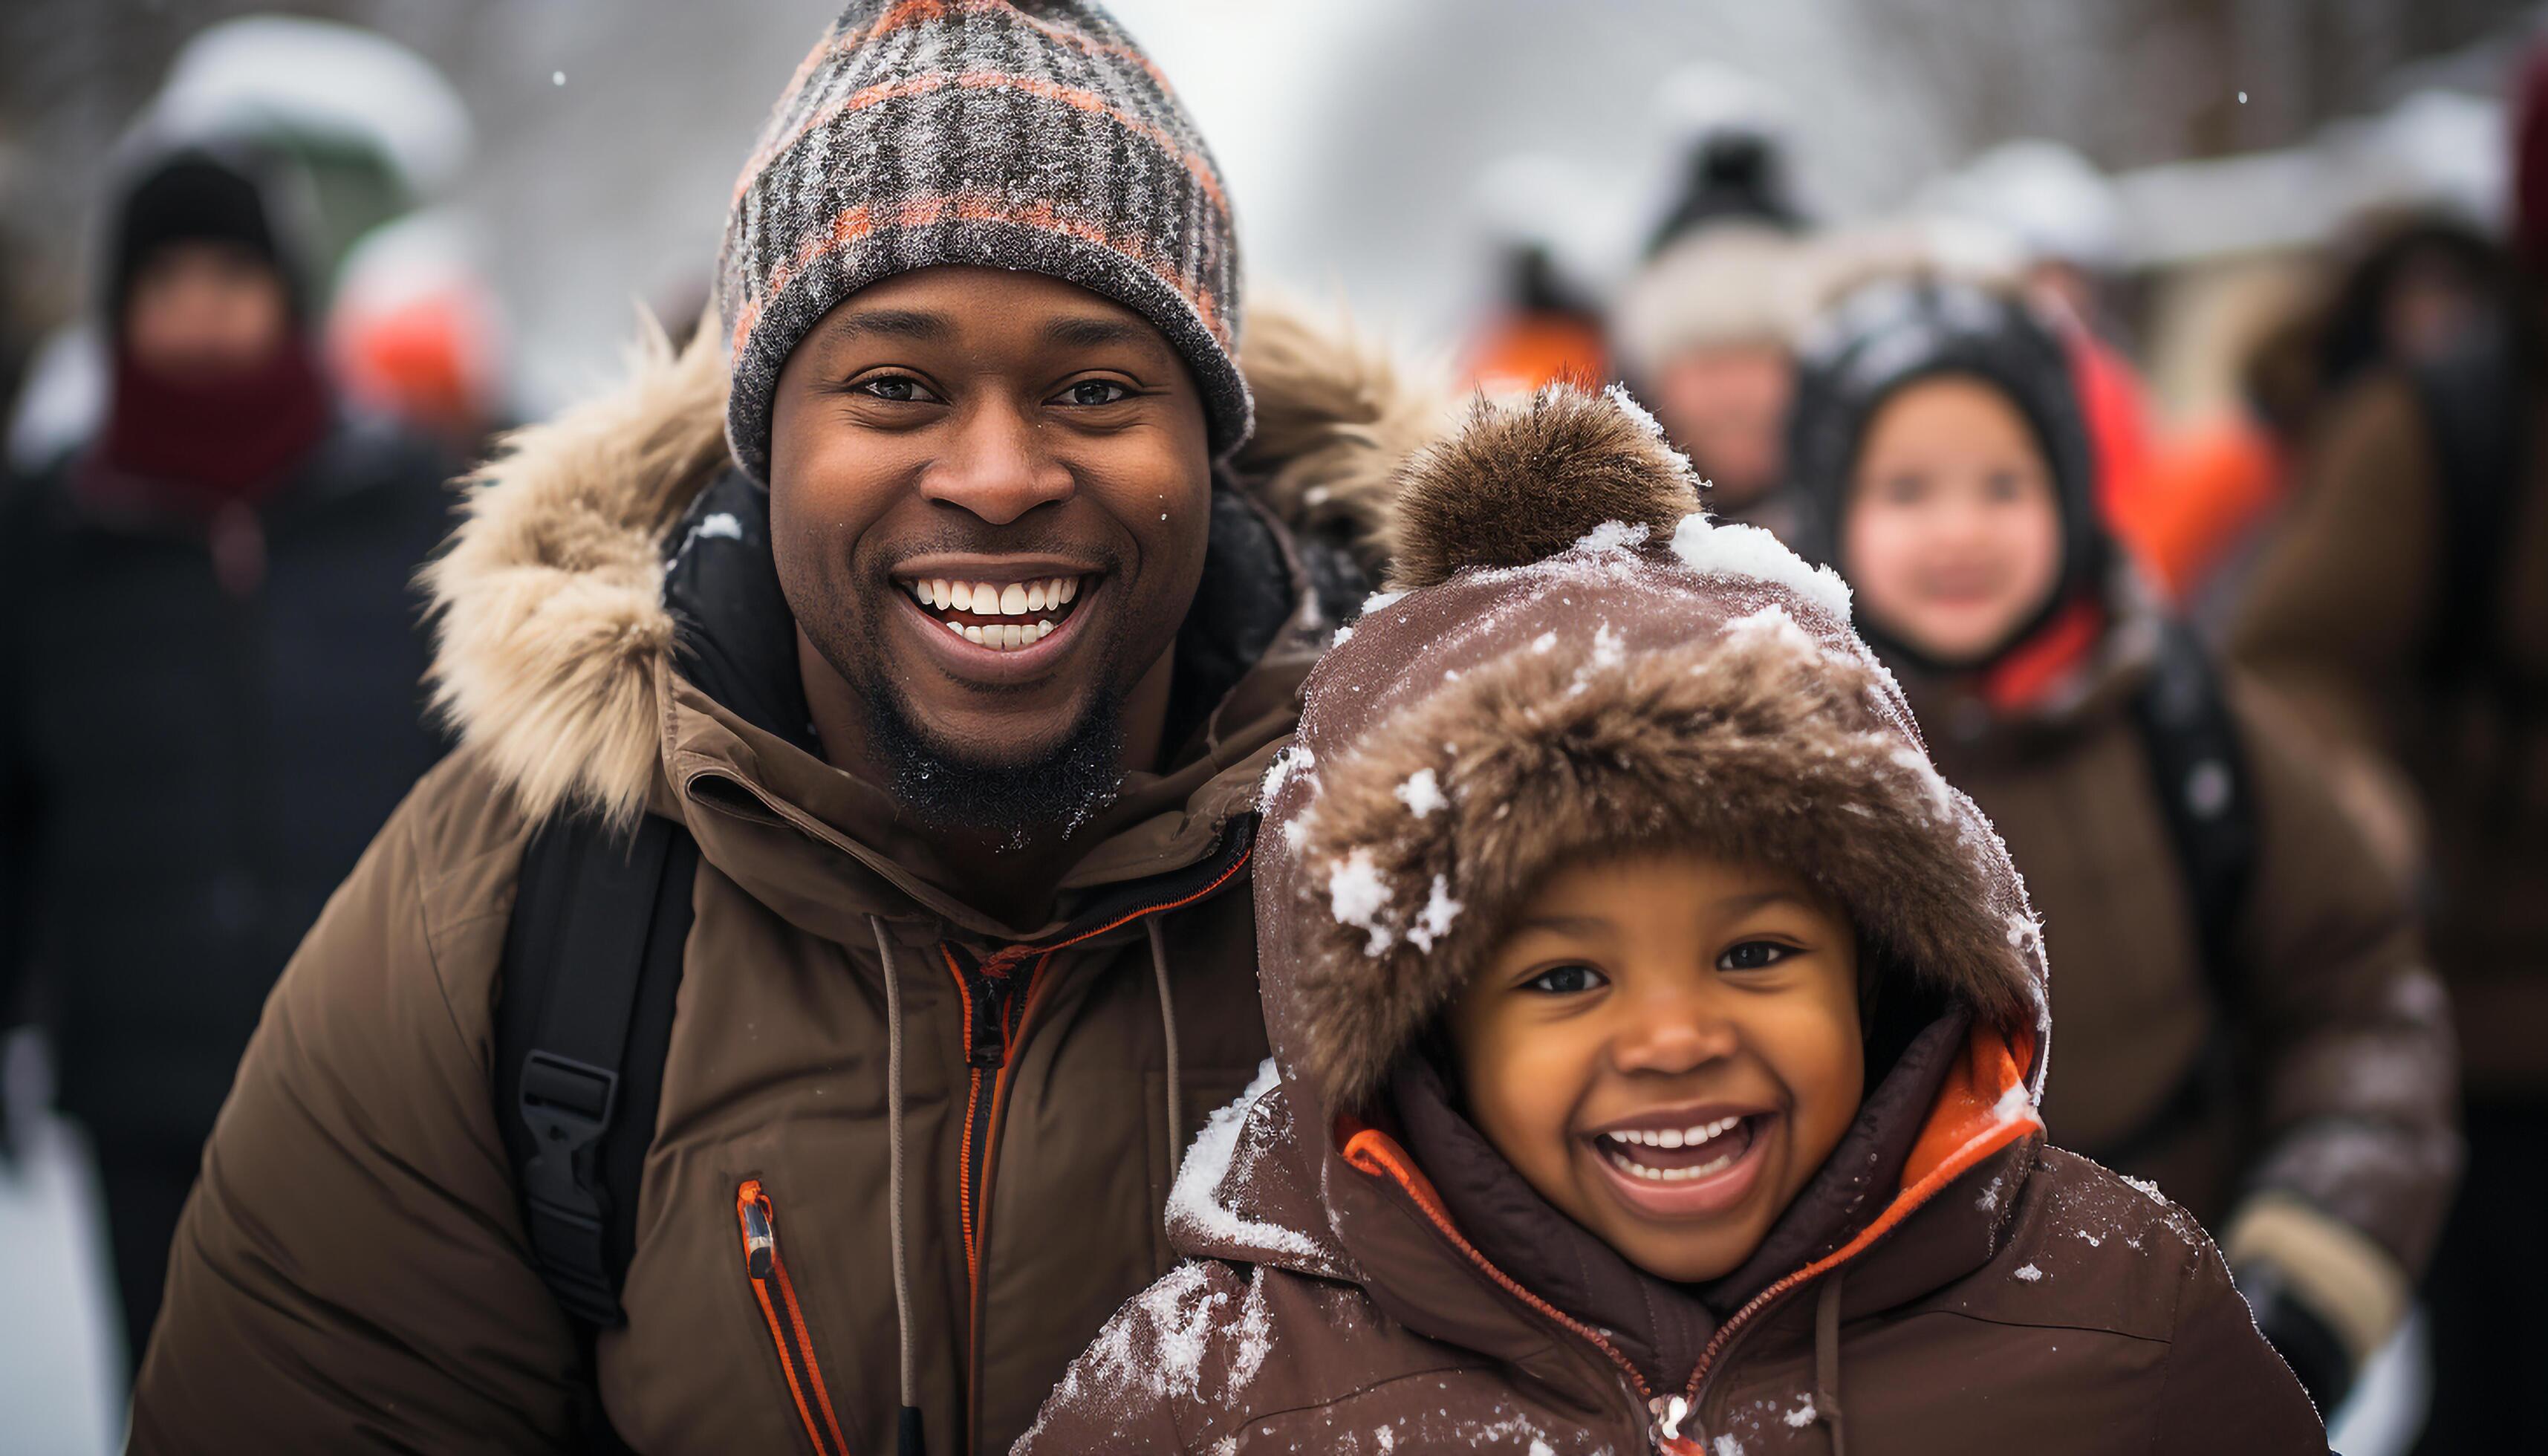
column 1095, row 392
column 895, row 389
column 1753, row 956
column 1565, row 980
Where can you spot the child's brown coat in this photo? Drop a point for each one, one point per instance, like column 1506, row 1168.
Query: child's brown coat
column 1993, row 1295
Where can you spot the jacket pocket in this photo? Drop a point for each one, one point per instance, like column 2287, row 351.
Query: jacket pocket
column 776, row 1293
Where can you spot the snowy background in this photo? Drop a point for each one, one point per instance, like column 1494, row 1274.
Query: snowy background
column 1360, row 139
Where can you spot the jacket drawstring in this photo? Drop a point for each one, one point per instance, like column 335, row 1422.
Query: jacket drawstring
column 907, row 1441
column 1168, row 1029
column 1827, row 1362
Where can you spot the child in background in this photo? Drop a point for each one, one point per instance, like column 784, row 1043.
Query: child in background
column 1656, row 1043
column 2248, row 1018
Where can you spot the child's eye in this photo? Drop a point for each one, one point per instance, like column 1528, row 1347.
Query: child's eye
column 1095, row 392
column 1753, row 956
column 896, row 388
column 1565, row 980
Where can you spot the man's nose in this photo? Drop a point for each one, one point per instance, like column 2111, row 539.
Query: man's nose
column 997, row 466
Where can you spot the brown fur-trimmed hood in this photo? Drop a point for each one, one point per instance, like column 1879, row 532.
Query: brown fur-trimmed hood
column 549, row 598
column 1701, row 688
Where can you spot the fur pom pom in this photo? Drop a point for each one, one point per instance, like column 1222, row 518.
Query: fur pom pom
column 1524, row 480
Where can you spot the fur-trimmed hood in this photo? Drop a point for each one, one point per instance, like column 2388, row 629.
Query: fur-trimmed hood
column 549, row 598
column 1571, row 657
column 1576, row 657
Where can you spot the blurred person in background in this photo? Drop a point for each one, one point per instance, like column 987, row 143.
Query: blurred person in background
column 2248, row 1019
column 2417, row 292
column 1703, row 328
column 1541, row 330
column 1540, row 326
column 2402, row 608
column 210, row 656
column 416, row 332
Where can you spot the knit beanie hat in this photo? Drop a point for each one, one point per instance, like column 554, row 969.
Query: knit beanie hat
column 198, row 194
column 1027, row 134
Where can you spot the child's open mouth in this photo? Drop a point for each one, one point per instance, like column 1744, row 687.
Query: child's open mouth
column 1701, row 1167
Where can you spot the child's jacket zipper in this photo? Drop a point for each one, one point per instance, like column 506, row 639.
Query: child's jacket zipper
column 776, row 1294
column 1961, row 1145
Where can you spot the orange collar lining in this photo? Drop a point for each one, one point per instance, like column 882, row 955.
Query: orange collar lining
column 1981, row 1108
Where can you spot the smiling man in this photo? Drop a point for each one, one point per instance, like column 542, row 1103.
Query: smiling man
column 776, row 1026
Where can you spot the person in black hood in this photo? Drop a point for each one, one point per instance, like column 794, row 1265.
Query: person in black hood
column 211, row 655
column 2249, row 1018
column 1990, row 356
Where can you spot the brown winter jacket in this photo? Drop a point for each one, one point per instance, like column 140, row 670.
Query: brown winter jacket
column 1946, row 1283
column 352, row 1271
column 2341, row 618
column 2300, row 1101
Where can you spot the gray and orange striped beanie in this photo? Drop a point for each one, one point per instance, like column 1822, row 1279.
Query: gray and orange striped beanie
column 1029, row 135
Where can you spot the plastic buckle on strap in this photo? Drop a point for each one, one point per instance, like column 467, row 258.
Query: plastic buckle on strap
column 568, row 1103
column 568, row 1106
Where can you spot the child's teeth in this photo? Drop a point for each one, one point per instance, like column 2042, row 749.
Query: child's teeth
column 1677, row 1136
column 1674, row 1175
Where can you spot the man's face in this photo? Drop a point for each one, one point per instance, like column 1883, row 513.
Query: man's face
column 989, row 498
column 204, row 311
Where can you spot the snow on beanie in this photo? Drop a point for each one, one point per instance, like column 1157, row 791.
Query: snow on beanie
column 1032, row 135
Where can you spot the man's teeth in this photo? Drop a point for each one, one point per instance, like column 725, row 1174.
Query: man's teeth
column 1677, row 1137
column 981, row 599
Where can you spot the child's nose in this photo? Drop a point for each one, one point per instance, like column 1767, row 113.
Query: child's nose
column 1671, row 1038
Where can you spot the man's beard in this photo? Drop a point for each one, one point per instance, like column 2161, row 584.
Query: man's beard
column 1048, row 795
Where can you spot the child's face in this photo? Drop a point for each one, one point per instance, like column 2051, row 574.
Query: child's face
column 1952, row 535
column 1666, row 1046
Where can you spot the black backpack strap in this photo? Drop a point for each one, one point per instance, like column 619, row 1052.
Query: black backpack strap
column 2200, row 775
column 583, row 1015
column 2200, row 772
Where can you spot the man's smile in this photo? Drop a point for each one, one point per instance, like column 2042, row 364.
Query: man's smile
column 999, row 610
column 996, row 620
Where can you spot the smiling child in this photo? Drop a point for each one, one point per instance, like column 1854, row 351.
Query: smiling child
column 1658, row 1040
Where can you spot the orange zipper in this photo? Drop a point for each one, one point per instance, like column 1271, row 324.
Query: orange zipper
column 1008, row 1018
column 778, row 1295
